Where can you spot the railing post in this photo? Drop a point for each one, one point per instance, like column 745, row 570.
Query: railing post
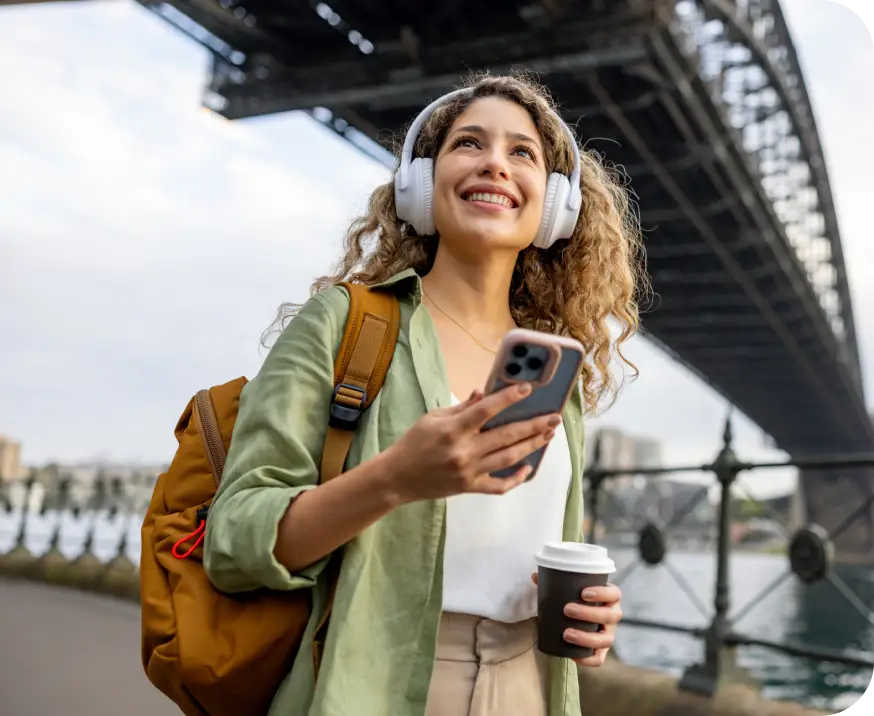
column 718, row 656
column 21, row 537
column 726, row 473
column 121, row 548
column 19, row 561
column 62, row 501
column 87, row 565
column 88, row 543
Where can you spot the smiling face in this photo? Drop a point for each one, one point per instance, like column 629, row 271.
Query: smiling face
column 490, row 178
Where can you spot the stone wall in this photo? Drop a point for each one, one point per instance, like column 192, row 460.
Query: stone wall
column 617, row 689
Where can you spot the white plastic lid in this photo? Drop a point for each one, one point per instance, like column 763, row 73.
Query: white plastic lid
column 575, row 557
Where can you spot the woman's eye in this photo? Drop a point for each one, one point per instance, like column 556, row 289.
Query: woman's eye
column 470, row 142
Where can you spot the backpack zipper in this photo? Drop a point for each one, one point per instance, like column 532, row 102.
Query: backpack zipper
column 212, row 437
column 197, row 536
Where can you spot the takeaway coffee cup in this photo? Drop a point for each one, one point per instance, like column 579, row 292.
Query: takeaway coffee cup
column 564, row 570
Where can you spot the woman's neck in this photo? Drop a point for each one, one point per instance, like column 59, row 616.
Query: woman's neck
column 476, row 295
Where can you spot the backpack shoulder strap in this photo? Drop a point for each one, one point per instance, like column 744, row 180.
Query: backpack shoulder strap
column 360, row 368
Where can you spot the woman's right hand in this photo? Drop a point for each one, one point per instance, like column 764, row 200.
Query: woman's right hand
column 446, row 452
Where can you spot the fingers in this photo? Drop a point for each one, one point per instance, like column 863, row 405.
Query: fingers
column 609, row 615
column 597, row 659
column 475, row 416
column 601, row 641
column 511, row 455
column 475, row 396
column 596, row 640
column 488, row 485
column 512, row 433
column 607, row 595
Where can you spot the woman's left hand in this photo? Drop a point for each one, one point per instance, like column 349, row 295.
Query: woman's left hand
column 608, row 615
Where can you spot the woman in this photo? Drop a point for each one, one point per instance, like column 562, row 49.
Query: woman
column 435, row 604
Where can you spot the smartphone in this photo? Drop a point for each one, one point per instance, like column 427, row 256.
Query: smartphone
column 552, row 364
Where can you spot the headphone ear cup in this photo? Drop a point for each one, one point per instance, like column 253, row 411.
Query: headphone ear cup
column 556, row 194
column 414, row 203
column 426, row 207
column 568, row 212
column 559, row 216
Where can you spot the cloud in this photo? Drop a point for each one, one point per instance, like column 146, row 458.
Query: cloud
column 144, row 243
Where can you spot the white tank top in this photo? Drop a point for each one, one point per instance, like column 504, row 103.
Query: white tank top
column 491, row 540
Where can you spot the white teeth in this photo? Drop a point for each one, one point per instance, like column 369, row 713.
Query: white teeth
column 491, row 198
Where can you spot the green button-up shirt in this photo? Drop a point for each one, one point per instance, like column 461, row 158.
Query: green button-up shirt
column 381, row 642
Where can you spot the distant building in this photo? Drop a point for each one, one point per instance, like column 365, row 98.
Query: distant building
column 632, row 497
column 10, row 459
column 618, row 450
column 634, row 500
column 690, row 499
column 647, row 452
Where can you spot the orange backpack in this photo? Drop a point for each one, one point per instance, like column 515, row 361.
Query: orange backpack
column 217, row 654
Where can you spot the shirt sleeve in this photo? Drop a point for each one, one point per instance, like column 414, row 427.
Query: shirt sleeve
column 275, row 451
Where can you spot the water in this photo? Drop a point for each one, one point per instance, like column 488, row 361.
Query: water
column 813, row 616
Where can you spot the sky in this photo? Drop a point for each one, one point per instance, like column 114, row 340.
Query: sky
column 145, row 243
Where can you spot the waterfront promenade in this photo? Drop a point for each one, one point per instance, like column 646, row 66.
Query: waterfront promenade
column 69, row 652
column 77, row 653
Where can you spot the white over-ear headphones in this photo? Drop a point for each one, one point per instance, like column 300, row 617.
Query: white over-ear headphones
column 414, row 187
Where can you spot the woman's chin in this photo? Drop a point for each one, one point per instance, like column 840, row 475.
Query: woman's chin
column 484, row 240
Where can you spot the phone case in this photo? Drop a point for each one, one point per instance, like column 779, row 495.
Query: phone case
column 559, row 376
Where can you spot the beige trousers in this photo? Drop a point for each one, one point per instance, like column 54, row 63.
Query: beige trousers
column 487, row 668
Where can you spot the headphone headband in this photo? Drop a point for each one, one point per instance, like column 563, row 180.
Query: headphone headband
column 403, row 175
column 414, row 185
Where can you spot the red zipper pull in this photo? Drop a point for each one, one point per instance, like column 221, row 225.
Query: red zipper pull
column 199, row 533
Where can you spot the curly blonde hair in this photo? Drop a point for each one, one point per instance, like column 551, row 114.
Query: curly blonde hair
column 573, row 288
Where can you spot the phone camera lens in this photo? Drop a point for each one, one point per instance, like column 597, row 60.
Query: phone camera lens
column 514, row 369
column 535, row 363
column 520, row 351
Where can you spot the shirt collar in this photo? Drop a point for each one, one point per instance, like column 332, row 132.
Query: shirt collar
column 406, row 281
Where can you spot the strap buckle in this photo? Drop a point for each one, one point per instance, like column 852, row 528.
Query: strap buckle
column 345, row 417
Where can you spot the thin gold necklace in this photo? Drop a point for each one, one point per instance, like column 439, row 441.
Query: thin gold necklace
column 473, row 337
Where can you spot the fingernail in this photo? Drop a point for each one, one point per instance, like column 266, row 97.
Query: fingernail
column 589, row 595
column 524, row 388
column 554, row 421
column 571, row 610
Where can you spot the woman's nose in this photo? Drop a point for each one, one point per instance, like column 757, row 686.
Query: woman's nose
column 495, row 165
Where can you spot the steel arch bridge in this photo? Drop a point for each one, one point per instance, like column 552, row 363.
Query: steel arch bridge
column 704, row 104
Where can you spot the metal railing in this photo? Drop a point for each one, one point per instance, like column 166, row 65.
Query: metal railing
column 100, row 515
column 811, row 559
